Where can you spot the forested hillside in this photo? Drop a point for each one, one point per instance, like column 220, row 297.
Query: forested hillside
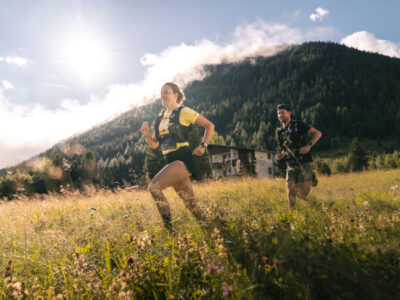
column 343, row 92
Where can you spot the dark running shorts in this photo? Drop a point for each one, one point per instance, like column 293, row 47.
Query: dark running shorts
column 183, row 154
column 297, row 174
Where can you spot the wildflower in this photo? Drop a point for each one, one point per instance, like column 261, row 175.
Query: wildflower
column 18, row 286
column 275, row 261
column 245, row 237
column 131, row 259
column 8, row 269
column 212, row 269
column 227, row 290
column 365, row 203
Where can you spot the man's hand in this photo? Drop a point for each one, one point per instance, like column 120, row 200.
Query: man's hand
column 305, row 149
column 281, row 155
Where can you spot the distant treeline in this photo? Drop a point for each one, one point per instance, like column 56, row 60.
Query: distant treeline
column 62, row 175
column 75, row 167
column 343, row 92
column 358, row 160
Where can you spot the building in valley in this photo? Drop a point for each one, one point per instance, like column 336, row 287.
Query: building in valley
column 238, row 161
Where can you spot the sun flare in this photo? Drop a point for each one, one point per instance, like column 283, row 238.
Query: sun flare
column 87, row 58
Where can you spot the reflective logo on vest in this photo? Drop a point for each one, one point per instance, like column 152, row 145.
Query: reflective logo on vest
column 163, row 127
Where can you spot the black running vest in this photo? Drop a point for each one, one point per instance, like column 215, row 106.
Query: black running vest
column 178, row 133
column 294, row 137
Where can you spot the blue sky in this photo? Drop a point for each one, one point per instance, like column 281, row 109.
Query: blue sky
column 66, row 66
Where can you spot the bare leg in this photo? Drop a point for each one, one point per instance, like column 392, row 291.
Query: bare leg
column 303, row 189
column 291, row 192
column 185, row 191
column 171, row 174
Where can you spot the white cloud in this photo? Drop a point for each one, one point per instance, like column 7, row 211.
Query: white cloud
column 185, row 63
column 319, row 14
column 7, row 85
column 14, row 60
column 34, row 128
column 366, row 41
column 57, row 86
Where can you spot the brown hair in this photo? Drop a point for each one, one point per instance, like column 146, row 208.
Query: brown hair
column 175, row 89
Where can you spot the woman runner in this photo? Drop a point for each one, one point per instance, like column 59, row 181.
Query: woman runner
column 171, row 133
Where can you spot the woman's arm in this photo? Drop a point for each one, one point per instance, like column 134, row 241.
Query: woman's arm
column 209, row 129
column 153, row 143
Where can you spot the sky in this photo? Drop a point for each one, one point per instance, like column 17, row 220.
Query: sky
column 66, row 66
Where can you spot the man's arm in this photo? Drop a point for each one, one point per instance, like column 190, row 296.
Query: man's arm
column 315, row 136
column 280, row 155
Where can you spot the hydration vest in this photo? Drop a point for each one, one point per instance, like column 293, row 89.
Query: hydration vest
column 295, row 140
column 291, row 137
column 177, row 133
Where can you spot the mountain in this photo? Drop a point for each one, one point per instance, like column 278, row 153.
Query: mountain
column 341, row 91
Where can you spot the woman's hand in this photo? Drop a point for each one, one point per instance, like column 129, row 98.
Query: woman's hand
column 152, row 141
column 199, row 151
column 145, row 129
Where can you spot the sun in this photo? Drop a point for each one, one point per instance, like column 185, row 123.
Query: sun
column 87, row 57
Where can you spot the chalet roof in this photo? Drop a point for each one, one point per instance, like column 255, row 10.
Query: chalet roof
column 239, row 148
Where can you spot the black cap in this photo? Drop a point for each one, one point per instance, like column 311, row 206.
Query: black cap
column 283, row 106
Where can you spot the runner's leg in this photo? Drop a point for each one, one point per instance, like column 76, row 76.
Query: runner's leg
column 185, row 191
column 303, row 189
column 304, row 181
column 171, row 174
column 291, row 192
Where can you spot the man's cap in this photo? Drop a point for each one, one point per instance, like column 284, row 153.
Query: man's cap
column 283, row 106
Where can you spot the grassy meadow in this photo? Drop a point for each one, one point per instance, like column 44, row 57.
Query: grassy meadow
column 342, row 243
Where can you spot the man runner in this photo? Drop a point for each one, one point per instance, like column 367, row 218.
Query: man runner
column 296, row 139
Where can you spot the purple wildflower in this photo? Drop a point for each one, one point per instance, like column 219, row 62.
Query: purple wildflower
column 212, row 269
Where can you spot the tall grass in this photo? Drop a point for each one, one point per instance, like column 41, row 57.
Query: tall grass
column 343, row 242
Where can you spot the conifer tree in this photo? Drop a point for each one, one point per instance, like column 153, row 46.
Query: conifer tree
column 89, row 164
column 357, row 159
column 217, row 139
column 106, row 178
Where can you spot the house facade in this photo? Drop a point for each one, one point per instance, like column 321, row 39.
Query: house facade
column 238, row 161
